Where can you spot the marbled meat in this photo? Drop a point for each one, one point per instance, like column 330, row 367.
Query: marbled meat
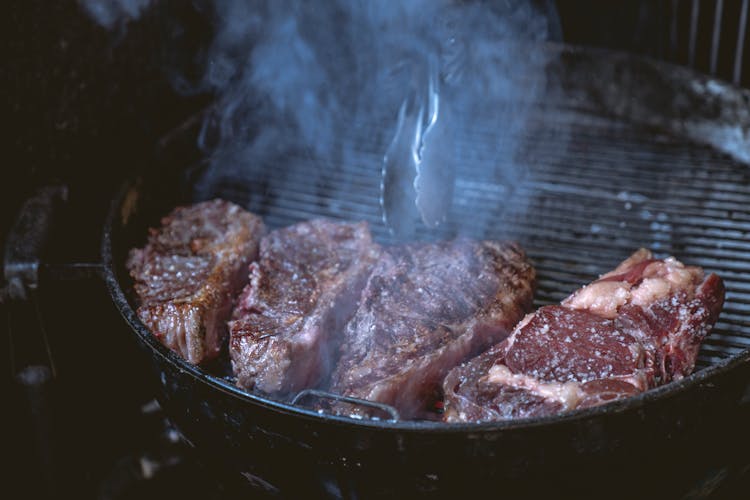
column 636, row 327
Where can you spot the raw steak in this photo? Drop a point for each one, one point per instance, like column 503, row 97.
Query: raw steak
column 636, row 327
column 190, row 270
column 301, row 294
column 426, row 308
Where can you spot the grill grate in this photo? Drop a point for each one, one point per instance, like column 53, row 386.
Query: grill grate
column 587, row 191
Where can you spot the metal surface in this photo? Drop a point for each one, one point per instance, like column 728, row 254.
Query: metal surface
column 26, row 240
column 742, row 27
column 594, row 178
column 314, row 393
column 418, row 172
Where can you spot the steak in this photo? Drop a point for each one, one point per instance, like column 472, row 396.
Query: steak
column 426, row 308
column 190, row 270
column 302, row 292
column 636, row 327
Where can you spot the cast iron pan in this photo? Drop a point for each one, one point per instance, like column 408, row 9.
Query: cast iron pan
column 680, row 140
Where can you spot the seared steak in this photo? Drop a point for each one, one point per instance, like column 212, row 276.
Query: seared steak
column 426, row 308
column 636, row 327
column 189, row 271
column 302, row 292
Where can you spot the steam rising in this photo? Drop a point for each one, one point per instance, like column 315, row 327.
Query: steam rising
column 111, row 13
column 317, row 87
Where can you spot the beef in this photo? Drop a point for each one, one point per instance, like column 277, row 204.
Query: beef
column 190, row 270
column 302, row 292
column 636, row 327
column 426, row 308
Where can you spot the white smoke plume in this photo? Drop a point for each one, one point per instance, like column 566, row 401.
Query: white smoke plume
column 318, row 85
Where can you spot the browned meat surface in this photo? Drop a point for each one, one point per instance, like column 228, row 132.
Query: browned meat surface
column 426, row 308
column 302, row 292
column 636, row 327
column 189, row 271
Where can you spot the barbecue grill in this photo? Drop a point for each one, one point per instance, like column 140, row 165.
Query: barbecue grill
column 643, row 175
column 630, row 152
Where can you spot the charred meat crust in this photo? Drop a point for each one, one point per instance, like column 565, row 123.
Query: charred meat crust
column 302, row 292
column 189, row 271
column 426, row 308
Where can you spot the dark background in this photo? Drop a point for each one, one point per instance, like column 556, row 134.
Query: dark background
column 86, row 106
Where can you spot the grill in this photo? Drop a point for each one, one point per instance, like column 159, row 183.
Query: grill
column 588, row 189
column 595, row 176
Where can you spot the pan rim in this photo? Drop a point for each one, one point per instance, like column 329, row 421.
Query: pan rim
column 621, row 406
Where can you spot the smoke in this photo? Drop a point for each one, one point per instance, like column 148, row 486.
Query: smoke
column 114, row 13
column 315, row 89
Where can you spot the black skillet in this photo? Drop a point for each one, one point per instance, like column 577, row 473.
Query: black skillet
column 658, row 443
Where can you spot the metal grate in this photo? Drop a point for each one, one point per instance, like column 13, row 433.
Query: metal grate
column 588, row 191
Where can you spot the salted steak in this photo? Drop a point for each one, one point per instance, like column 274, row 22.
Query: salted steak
column 426, row 308
column 190, row 270
column 303, row 290
column 636, row 327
